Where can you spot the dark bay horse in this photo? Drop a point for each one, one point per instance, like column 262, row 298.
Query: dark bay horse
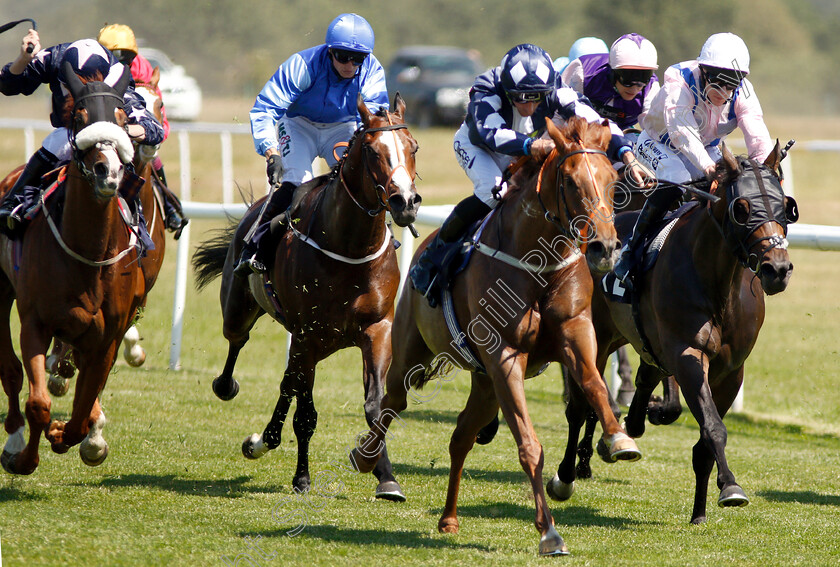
column 700, row 309
column 75, row 277
column 335, row 279
column 60, row 366
column 524, row 301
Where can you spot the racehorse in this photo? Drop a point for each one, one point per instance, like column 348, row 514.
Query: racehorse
column 699, row 311
column 75, row 277
column 334, row 279
column 60, row 367
column 524, row 300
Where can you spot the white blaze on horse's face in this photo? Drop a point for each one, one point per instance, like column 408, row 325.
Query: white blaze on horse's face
column 396, row 159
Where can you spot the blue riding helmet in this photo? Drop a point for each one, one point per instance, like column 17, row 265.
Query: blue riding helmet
column 528, row 69
column 351, row 32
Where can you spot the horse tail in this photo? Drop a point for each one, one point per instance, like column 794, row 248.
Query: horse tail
column 209, row 258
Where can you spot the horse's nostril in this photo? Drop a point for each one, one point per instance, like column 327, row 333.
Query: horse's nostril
column 396, row 202
column 100, row 169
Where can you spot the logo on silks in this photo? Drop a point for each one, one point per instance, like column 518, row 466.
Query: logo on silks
column 283, row 139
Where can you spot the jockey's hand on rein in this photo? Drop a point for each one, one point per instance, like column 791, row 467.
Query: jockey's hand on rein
column 541, row 148
column 274, row 169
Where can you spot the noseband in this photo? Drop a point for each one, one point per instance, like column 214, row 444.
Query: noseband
column 569, row 230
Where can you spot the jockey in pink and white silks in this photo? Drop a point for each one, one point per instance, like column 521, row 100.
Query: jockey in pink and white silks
column 699, row 104
column 306, row 108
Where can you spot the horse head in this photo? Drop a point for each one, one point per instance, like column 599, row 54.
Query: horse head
column 101, row 146
column 389, row 150
column 585, row 185
column 754, row 216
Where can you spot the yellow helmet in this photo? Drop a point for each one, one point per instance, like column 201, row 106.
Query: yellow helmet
column 118, row 36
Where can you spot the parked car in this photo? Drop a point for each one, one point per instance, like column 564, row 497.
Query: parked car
column 435, row 82
column 181, row 93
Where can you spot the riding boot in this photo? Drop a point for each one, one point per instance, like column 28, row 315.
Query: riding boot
column 11, row 208
column 653, row 210
column 174, row 218
column 428, row 266
column 250, row 261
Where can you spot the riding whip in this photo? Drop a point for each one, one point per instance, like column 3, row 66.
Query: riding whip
column 10, row 25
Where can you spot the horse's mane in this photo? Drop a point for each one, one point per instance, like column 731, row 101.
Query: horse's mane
column 577, row 130
column 70, row 102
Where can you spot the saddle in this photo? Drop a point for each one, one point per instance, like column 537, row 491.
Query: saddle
column 646, row 254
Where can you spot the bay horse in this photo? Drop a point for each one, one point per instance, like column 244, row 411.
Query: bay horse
column 524, row 299
column 59, row 363
column 75, row 277
column 699, row 309
column 334, row 277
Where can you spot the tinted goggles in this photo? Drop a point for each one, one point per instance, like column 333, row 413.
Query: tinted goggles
column 124, row 56
column 633, row 77
column 522, row 98
column 727, row 79
column 345, row 56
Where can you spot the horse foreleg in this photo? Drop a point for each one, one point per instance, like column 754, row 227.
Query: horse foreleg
column 94, row 449
column 625, row 371
column 376, row 356
column 33, row 344
column 408, row 366
column 508, row 382
column 647, row 378
column 692, row 371
column 481, row 405
column 11, row 375
column 93, row 374
column 579, row 354
column 562, row 485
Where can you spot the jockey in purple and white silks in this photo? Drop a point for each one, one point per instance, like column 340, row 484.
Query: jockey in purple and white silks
column 700, row 103
column 26, row 73
column 620, row 84
column 506, row 120
column 306, row 108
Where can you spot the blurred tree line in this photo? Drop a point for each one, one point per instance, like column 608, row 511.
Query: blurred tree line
column 233, row 46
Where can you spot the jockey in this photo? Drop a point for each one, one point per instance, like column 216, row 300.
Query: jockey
column 701, row 101
column 307, row 108
column 505, row 120
column 22, row 76
column 120, row 40
column 621, row 84
column 581, row 46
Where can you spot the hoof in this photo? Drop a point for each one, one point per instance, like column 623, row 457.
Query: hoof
column 619, row 447
column 559, row 490
column 301, row 484
column 583, row 470
column 733, row 496
column 488, row 432
column 390, row 490
column 552, row 544
column 632, row 430
column 253, row 446
column 228, row 393
column 448, row 525
column 135, row 356
column 57, row 385
column 698, row 520
column 95, row 459
column 9, row 462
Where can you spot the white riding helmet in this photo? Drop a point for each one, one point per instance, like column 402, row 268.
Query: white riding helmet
column 726, row 51
column 632, row 51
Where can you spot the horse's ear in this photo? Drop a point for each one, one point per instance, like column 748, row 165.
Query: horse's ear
column 399, row 105
column 364, row 111
column 155, row 77
column 554, row 131
column 73, row 82
column 774, row 159
column 729, row 160
column 123, row 81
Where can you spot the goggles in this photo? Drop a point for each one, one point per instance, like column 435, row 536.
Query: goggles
column 124, row 56
column 727, row 79
column 523, row 98
column 633, row 77
column 344, row 56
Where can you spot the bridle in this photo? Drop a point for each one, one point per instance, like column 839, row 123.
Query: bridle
column 379, row 189
column 567, row 227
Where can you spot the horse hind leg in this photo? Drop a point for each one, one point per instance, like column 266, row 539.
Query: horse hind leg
column 239, row 312
column 562, row 486
column 647, row 378
column 669, row 408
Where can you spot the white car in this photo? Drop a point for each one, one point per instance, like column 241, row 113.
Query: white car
column 181, row 93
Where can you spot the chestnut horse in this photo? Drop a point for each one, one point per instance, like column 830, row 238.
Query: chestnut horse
column 335, row 279
column 75, row 276
column 60, row 365
column 699, row 311
column 524, row 301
